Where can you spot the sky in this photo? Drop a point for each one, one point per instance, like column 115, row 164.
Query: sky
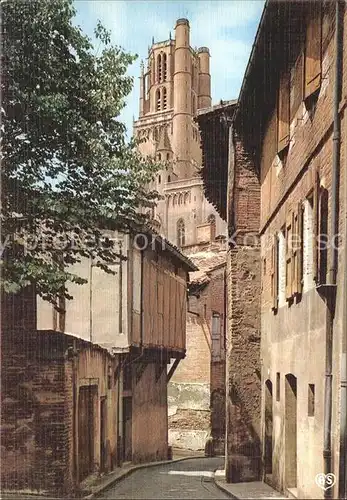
column 226, row 27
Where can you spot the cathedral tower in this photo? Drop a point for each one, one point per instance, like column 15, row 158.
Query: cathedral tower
column 174, row 84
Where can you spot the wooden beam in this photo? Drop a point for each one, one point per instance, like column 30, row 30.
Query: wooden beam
column 173, row 369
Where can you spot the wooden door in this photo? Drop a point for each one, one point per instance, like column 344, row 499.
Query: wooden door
column 86, row 416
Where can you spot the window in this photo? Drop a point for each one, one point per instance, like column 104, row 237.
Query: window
column 274, row 273
column 320, row 231
column 180, row 233
column 159, row 156
column 278, row 386
column 164, row 67
column 164, row 98
column 311, row 400
column 169, row 178
column 313, row 49
column 158, row 101
column 216, row 333
column 281, row 268
column 289, row 262
column 167, row 156
column 159, row 179
column 307, row 246
column 159, row 70
column 283, row 121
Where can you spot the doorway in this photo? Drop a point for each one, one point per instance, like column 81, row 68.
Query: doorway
column 290, row 422
column 268, row 430
column 103, row 434
column 127, row 430
column 86, row 422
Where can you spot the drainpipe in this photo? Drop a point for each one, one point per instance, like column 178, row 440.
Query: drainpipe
column 331, row 288
column 343, row 422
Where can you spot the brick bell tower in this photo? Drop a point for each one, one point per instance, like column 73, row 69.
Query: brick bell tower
column 175, row 83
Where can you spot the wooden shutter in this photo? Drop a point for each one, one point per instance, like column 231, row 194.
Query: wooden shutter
column 313, row 48
column 283, row 112
column 299, row 249
column 295, row 245
column 297, row 86
column 274, row 274
column 289, row 256
column 315, row 232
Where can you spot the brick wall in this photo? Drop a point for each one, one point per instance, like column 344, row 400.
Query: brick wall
column 295, row 334
column 197, row 389
column 34, row 437
column 243, row 333
column 37, row 429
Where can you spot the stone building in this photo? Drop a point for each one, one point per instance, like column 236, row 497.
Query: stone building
column 79, row 386
column 290, row 133
column 175, row 85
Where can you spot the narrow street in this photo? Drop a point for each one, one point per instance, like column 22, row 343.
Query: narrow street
column 189, row 479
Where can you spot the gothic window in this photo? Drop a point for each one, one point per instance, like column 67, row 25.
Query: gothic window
column 164, row 67
column 180, row 199
column 186, row 198
column 156, row 134
column 181, row 238
column 159, row 72
column 174, row 201
column 157, row 98
column 164, row 98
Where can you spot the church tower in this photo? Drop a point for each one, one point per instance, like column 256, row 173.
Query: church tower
column 175, row 84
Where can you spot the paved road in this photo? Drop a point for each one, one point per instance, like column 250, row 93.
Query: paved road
column 189, row 479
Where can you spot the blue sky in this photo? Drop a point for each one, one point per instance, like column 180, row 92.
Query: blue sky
column 227, row 27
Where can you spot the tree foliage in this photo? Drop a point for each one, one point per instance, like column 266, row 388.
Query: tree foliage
column 67, row 170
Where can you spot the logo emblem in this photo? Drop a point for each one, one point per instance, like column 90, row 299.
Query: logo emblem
column 325, row 481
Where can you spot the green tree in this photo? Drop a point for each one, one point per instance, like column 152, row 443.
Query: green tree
column 67, row 170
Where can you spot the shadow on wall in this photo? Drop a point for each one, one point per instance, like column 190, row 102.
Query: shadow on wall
column 244, row 456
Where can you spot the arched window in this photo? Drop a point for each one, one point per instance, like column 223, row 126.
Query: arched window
column 167, row 156
column 180, row 199
column 174, row 200
column 159, row 156
column 181, row 233
column 157, row 98
column 164, row 98
column 159, row 72
column 159, row 178
column 164, row 67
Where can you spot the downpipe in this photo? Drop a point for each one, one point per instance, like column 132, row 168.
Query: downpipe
column 343, row 388
column 331, row 285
